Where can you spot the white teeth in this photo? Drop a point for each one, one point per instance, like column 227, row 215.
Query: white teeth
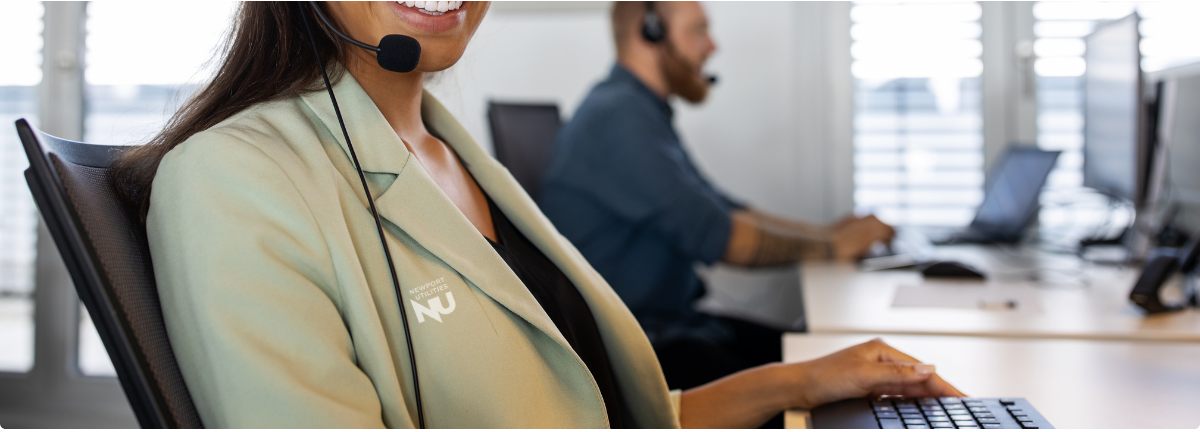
column 434, row 7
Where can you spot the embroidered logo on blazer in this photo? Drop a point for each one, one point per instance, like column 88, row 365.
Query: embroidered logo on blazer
column 435, row 309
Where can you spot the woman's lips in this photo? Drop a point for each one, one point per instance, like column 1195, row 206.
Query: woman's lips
column 425, row 20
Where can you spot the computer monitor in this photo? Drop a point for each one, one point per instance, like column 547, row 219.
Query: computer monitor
column 1179, row 134
column 1115, row 145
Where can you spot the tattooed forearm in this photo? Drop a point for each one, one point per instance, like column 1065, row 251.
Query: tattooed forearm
column 779, row 249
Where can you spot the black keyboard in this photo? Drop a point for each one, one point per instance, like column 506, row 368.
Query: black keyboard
column 929, row 413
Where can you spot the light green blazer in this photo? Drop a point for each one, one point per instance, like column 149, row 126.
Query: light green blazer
column 280, row 307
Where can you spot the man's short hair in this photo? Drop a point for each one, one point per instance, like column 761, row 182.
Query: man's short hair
column 626, row 22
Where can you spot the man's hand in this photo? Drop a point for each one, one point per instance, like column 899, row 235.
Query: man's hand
column 853, row 236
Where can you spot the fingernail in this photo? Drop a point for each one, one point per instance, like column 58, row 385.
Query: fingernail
column 926, row 369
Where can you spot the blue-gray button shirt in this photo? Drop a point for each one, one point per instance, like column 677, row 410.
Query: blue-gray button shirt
column 621, row 187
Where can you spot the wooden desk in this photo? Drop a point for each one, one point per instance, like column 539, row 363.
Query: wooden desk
column 1073, row 383
column 1067, row 298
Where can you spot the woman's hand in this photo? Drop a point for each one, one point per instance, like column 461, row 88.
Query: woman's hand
column 749, row 398
column 870, row 369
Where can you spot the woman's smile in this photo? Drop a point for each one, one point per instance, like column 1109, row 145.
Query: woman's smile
column 431, row 16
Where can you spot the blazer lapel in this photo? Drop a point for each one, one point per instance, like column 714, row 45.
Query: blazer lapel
column 626, row 343
column 417, row 206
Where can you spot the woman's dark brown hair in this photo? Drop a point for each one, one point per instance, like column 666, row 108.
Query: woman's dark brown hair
column 266, row 56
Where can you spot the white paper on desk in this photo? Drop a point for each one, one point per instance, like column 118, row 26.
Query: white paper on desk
column 967, row 295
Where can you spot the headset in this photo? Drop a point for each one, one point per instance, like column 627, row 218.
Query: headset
column 396, row 53
column 654, row 30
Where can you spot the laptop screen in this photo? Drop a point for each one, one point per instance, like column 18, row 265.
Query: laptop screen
column 1010, row 199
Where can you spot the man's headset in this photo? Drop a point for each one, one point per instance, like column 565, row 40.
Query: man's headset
column 396, row 53
column 654, row 30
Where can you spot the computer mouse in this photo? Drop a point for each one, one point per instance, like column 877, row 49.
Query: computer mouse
column 950, row 269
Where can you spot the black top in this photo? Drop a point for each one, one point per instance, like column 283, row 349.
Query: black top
column 563, row 303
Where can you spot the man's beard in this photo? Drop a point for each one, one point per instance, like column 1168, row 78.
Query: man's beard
column 682, row 77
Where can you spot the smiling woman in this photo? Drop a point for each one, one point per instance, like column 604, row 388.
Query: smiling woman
column 266, row 199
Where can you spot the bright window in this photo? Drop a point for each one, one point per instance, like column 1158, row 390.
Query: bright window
column 918, row 143
column 136, row 81
column 21, row 31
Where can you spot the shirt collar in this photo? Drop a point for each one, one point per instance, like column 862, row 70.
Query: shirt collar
column 621, row 75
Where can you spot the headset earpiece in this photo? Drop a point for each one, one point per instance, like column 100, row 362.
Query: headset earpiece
column 653, row 28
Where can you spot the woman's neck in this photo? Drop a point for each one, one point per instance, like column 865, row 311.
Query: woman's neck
column 397, row 95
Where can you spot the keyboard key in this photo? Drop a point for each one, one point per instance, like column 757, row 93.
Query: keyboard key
column 1008, row 401
column 946, row 400
column 974, row 403
column 1016, row 411
column 938, row 418
column 968, row 427
column 909, row 410
column 911, row 415
column 992, row 426
column 911, row 421
column 964, row 423
column 940, row 424
column 1023, row 418
column 1028, row 425
column 985, row 415
column 928, row 401
column 989, row 421
column 957, row 411
column 884, row 409
column 978, row 409
column 891, row 424
column 961, row 418
column 953, row 406
column 886, row 415
column 918, row 426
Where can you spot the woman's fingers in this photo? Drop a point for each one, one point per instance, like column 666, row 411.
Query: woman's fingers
column 935, row 386
column 939, row 386
column 888, row 353
column 896, row 373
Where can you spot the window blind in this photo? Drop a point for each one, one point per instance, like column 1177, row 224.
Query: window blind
column 21, row 29
column 918, row 143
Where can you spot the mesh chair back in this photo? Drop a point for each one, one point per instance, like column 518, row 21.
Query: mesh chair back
column 523, row 135
column 103, row 244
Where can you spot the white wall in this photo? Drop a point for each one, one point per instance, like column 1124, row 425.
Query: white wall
column 767, row 134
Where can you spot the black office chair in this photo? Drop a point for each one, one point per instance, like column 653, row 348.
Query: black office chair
column 103, row 244
column 523, row 135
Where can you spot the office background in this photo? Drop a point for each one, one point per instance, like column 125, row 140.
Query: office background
column 822, row 109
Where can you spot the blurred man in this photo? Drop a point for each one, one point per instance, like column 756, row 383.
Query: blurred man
column 622, row 188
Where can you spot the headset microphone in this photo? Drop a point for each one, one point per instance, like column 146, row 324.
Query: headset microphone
column 396, row 53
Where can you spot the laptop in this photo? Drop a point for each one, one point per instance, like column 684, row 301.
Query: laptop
column 1010, row 203
column 929, row 413
column 1010, row 198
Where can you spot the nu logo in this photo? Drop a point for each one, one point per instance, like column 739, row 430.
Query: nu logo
column 435, row 309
